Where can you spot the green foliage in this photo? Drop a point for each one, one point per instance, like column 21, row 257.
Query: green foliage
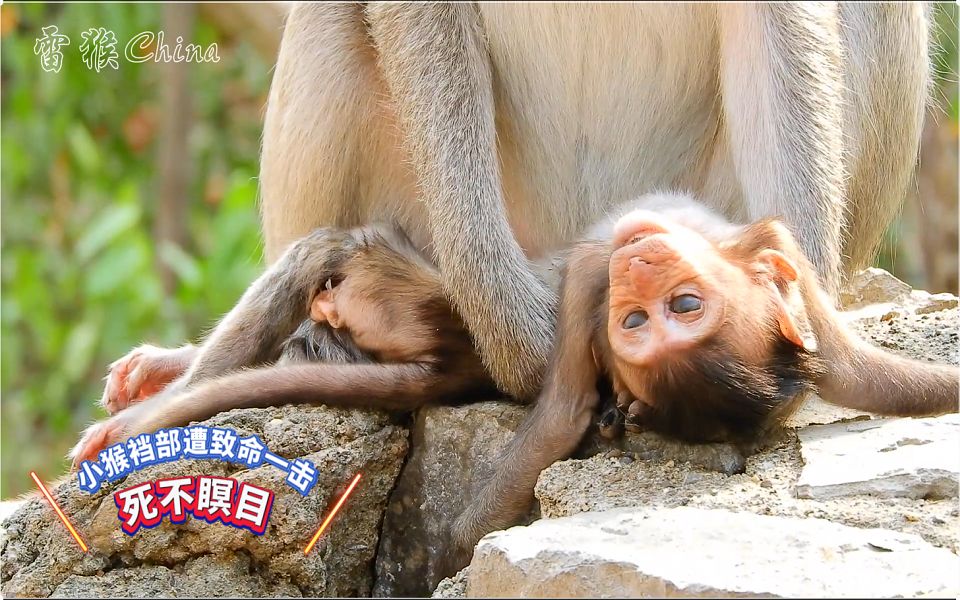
column 81, row 272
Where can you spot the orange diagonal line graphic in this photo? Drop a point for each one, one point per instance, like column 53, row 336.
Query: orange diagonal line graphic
column 333, row 512
column 59, row 512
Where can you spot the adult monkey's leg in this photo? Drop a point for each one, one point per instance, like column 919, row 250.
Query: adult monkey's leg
column 886, row 77
column 436, row 67
column 781, row 83
column 330, row 147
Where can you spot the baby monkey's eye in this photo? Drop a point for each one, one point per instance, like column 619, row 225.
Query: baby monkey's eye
column 635, row 319
column 685, row 303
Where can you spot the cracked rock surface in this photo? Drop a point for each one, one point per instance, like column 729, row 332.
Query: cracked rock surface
column 453, row 449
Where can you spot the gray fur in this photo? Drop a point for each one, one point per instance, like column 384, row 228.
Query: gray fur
column 496, row 133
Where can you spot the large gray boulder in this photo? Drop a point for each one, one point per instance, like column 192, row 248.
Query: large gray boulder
column 910, row 458
column 453, row 449
column 692, row 552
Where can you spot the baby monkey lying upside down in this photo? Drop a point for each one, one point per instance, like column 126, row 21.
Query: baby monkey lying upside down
column 716, row 330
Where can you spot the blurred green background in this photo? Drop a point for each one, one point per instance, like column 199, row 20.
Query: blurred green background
column 129, row 204
column 94, row 259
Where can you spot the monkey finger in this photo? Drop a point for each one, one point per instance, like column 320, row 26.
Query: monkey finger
column 635, row 416
column 114, row 397
column 116, row 394
column 147, row 389
column 140, row 381
column 150, row 375
column 96, row 437
column 150, row 369
column 611, row 423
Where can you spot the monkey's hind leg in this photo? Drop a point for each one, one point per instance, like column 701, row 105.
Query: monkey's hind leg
column 886, row 75
column 331, row 150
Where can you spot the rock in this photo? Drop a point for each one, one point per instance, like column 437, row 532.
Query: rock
column 938, row 302
column 705, row 553
column 9, row 507
column 767, row 486
column 453, row 587
column 873, row 286
column 453, row 449
column 601, row 483
column 814, row 411
column 197, row 558
column 912, row 458
column 924, row 336
column 204, row 577
column 648, row 445
column 921, row 325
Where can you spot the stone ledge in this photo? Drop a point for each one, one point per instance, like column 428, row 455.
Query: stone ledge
column 695, row 552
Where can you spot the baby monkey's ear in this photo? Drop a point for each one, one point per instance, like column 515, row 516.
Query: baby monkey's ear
column 781, row 277
column 771, row 253
column 323, row 307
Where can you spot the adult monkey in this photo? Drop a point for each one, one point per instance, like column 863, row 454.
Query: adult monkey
column 518, row 124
